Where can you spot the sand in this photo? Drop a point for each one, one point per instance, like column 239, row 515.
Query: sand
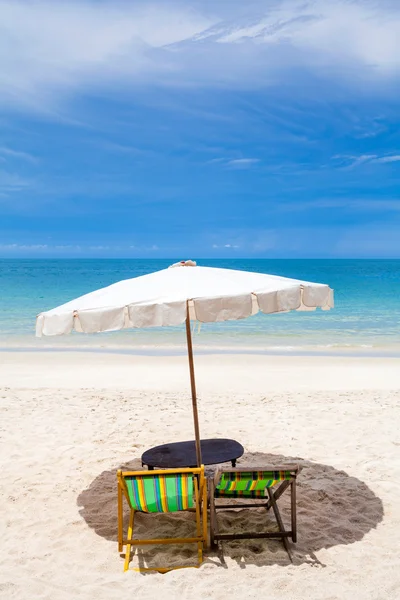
column 69, row 420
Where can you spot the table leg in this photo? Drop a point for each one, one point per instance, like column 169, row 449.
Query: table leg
column 233, row 462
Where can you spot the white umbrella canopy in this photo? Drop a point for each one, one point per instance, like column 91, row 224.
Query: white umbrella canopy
column 177, row 295
column 161, row 299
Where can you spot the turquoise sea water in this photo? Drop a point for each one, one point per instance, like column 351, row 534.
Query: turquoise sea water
column 366, row 317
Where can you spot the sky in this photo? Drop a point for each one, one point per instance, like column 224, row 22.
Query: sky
column 200, row 128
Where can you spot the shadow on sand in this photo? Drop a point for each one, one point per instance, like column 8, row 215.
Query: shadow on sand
column 333, row 508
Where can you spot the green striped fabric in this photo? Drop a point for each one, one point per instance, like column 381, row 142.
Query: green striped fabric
column 250, row 484
column 160, row 493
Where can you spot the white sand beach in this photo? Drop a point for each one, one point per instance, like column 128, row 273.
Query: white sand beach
column 69, row 420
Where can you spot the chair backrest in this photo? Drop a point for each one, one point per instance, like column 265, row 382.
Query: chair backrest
column 246, row 480
column 160, row 491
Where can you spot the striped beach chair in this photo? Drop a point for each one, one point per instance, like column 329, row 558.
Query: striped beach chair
column 162, row 491
column 266, row 484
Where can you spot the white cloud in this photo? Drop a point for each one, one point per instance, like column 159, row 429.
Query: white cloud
column 235, row 163
column 48, row 46
column 62, row 249
column 22, row 247
column 11, row 182
column 348, row 204
column 214, row 161
column 388, row 159
column 364, row 158
column 347, row 161
column 49, row 50
column 243, row 162
column 66, row 247
column 17, row 154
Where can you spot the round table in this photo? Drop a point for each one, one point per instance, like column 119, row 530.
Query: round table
column 183, row 454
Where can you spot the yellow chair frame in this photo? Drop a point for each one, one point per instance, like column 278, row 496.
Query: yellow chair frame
column 200, row 496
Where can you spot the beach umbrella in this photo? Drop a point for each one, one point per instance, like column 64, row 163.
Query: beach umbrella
column 179, row 294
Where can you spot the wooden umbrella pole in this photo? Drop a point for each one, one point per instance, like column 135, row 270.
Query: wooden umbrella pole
column 193, row 386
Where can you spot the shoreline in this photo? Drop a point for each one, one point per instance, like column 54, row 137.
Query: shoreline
column 208, row 351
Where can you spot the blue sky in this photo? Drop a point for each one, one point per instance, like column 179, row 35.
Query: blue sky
column 199, row 128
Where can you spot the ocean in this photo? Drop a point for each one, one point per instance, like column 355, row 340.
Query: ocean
column 365, row 320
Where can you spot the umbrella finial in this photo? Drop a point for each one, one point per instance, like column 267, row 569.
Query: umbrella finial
column 184, row 263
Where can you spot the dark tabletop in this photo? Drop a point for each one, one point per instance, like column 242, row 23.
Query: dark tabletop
column 183, row 454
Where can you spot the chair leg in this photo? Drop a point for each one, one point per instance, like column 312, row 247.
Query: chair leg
column 213, row 516
column 129, row 537
column 279, row 521
column 204, row 507
column 198, row 520
column 293, row 510
column 120, row 519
